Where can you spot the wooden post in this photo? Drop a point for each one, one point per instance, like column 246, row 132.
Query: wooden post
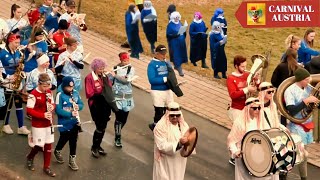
column 79, row 7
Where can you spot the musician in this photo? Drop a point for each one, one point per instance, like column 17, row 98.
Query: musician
column 52, row 18
column 74, row 26
column 58, row 37
column 16, row 22
column 168, row 140
column 40, row 106
column 149, row 25
column 100, row 110
column 177, row 42
column 305, row 51
column 132, row 30
column 67, row 112
column 198, row 40
column 218, row 56
column 297, row 96
column 10, row 57
column 158, row 76
column 35, row 19
column 249, row 119
column 218, row 15
column 70, row 63
column 33, row 78
column 33, row 50
column 122, row 89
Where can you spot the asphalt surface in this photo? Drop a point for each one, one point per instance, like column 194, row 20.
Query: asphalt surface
column 135, row 159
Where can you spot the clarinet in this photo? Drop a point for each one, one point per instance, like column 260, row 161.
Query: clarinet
column 73, row 106
column 48, row 102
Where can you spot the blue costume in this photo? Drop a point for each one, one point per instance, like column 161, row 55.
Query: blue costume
column 198, row 41
column 31, row 64
column 220, row 19
column 9, row 60
column 177, row 44
column 305, row 53
column 132, row 31
column 218, row 55
column 149, row 26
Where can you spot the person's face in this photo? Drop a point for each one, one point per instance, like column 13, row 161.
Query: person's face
column 15, row 44
column 242, row 67
column 196, row 18
column 176, row 19
column 68, row 88
column 125, row 62
column 44, row 87
column 45, row 65
column 39, row 37
column 174, row 118
column 296, row 45
column 71, row 9
column 99, row 71
column 311, row 36
column 304, row 83
column 73, row 46
column 62, row 31
column 18, row 13
column 48, row 2
column 161, row 56
column 255, row 110
column 269, row 93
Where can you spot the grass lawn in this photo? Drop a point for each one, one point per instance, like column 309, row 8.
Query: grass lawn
column 107, row 17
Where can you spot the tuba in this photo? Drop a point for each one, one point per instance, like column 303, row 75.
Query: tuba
column 260, row 64
column 306, row 112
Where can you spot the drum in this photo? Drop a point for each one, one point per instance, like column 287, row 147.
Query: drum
column 267, row 152
column 299, row 148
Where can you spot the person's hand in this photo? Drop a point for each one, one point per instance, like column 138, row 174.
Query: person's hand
column 50, row 107
column 252, row 88
column 112, row 73
column 12, row 77
column 311, row 99
column 75, row 107
column 48, row 115
column 75, row 113
column 184, row 141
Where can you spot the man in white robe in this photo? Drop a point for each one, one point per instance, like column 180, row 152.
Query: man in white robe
column 168, row 140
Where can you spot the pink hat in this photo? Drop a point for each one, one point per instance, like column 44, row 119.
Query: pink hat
column 198, row 14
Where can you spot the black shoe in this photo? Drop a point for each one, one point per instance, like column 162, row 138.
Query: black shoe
column 125, row 45
column 204, row 65
column 79, row 128
column 232, row 161
column 194, row 64
column 217, row 77
column 30, row 164
column 95, row 153
column 101, row 151
column 118, row 143
column 152, row 126
column 49, row 172
column 224, row 76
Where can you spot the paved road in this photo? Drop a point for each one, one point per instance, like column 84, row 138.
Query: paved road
column 135, row 159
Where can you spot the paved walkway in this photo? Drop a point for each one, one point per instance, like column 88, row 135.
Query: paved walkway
column 202, row 96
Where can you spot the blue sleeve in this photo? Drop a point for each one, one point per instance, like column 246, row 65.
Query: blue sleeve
column 59, row 109
column 212, row 19
column 215, row 40
column 128, row 20
column 305, row 49
column 142, row 15
column 80, row 102
column 152, row 75
column 171, row 33
column 192, row 31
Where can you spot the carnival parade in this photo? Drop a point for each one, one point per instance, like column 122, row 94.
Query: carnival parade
column 95, row 108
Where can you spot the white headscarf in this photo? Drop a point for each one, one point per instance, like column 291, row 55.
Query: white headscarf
column 175, row 15
column 216, row 28
column 147, row 5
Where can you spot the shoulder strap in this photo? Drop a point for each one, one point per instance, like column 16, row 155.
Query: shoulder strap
column 265, row 115
column 128, row 70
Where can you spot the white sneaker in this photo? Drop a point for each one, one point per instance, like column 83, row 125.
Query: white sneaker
column 7, row 129
column 23, row 130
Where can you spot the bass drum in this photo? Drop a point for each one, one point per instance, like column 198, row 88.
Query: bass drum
column 267, row 152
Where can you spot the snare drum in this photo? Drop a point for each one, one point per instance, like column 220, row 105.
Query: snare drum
column 267, row 152
column 299, row 148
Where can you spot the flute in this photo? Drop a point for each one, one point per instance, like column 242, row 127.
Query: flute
column 73, row 106
column 122, row 67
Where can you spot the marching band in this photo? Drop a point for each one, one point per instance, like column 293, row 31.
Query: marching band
column 46, row 54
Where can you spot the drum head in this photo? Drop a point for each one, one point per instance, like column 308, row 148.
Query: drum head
column 257, row 153
column 192, row 135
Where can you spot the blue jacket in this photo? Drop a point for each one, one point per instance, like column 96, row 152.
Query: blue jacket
column 9, row 61
column 157, row 70
column 64, row 109
column 305, row 53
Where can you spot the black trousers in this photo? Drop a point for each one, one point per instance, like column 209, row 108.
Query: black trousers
column 72, row 137
column 121, row 117
column 158, row 113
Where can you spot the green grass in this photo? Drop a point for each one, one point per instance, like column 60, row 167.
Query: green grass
column 107, row 18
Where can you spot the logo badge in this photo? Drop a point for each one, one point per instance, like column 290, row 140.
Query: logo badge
column 256, row 14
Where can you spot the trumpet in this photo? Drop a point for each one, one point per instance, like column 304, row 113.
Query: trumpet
column 49, row 40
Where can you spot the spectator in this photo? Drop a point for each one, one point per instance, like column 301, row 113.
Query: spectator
column 305, row 51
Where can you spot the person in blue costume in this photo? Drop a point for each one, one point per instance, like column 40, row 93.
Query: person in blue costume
column 177, row 42
column 132, row 30
column 218, row 55
column 305, row 51
column 149, row 23
column 198, row 40
column 32, row 51
column 171, row 8
column 219, row 16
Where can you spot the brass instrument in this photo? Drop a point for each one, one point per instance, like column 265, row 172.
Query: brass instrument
column 19, row 73
column 50, row 41
column 306, row 112
column 259, row 64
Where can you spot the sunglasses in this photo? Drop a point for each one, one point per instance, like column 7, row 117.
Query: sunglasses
column 269, row 92
column 174, row 115
column 256, row 108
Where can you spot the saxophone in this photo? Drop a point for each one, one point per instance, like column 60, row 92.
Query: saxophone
column 19, row 73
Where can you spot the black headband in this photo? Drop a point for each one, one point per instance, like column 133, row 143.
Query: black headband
column 266, row 87
column 174, row 109
column 250, row 102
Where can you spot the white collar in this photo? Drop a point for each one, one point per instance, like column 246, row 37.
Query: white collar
column 197, row 21
column 95, row 77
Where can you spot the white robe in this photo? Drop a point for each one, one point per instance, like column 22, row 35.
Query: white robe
column 169, row 164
